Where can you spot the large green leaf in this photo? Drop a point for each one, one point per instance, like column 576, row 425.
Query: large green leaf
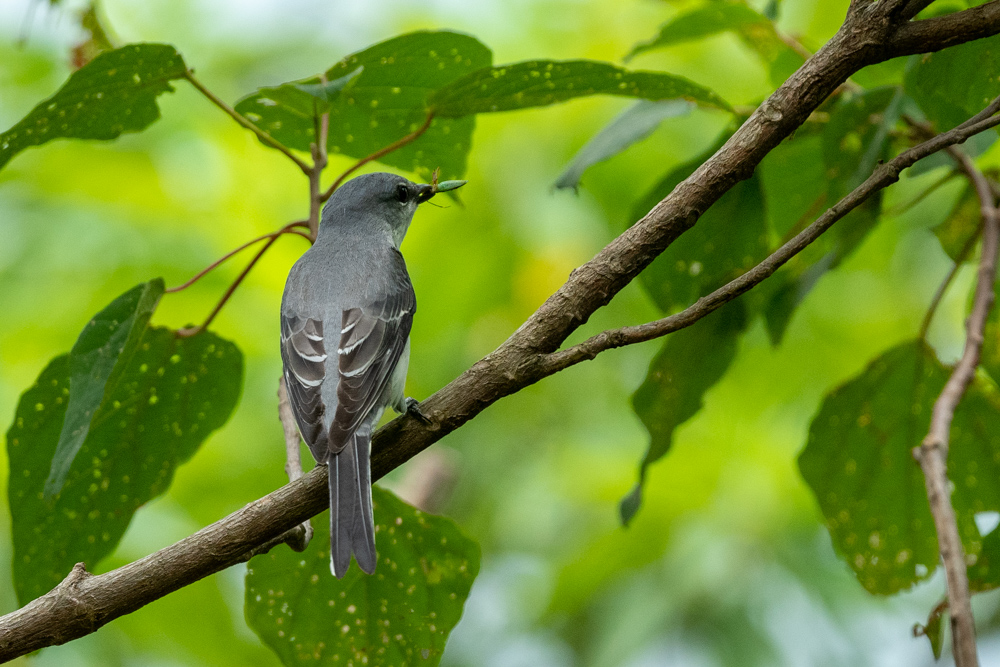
column 400, row 615
column 536, row 83
column 754, row 29
column 858, row 461
column 385, row 102
column 730, row 238
column 690, row 362
column 631, row 126
column 114, row 93
column 955, row 83
column 853, row 141
column 96, row 364
column 173, row 393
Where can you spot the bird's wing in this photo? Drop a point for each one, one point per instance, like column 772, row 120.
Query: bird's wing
column 303, row 356
column 372, row 338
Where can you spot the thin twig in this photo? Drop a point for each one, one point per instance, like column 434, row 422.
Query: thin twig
column 379, row 153
column 298, row 539
column 191, row 331
column 933, row 452
column 884, row 175
column 287, row 229
column 245, row 122
column 963, row 254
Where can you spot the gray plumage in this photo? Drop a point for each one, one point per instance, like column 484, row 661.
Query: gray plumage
column 345, row 322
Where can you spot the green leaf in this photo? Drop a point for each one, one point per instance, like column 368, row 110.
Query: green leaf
column 961, row 224
column 631, row 126
column 934, row 630
column 387, row 101
column 730, row 238
column 858, row 461
column 537, row 83
column 96, row 364
column 400, row 615
column 114, row 93
column 690, row 362
column 329, row 91
column 956, row 83
column 173, row 393
column 853, row 141
column 754, row 29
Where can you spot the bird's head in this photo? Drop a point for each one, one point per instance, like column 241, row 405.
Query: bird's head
column 380, row 199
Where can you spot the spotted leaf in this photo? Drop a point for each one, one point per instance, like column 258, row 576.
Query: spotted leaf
column 114, row 93
column 172, row 394
column 400, row 615
column 858, row 461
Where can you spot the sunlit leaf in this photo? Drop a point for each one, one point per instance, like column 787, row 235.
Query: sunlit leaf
column 537, row 83
column 859, row 463
column 730, row 238
column 851, row 144
column 691, row 361
column 173, row 393
column 631, row 126
column 400, row 615
column 956, row 83
column 114, row 93
column 387, row 101
column 97, row 363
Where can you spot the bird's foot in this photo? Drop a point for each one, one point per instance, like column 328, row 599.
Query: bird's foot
column 413, row 408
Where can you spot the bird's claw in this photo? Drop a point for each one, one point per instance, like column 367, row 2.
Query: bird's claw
column 413, row 408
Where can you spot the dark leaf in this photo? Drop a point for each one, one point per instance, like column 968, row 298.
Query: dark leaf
column 387, row 101
column 173, row 393
column 631, row 126
column 961, row 224
column 958, row 82
column 858, row 461
column 730, row 238
column 400, row 615
column 96, row 365
column 691, row 361
column 537, row 83
column 851, row 144
column 114, row 93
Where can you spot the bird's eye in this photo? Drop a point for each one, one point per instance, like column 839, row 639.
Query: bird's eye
column 402, row 193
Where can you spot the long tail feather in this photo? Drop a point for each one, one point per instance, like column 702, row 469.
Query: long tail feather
column 352, row 526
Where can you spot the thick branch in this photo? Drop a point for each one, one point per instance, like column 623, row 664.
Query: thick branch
column 939, row 33
column 933, row 452
column 82, row 606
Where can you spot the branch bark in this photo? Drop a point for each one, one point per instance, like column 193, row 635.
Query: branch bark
column 933, row 452
column 871, row 33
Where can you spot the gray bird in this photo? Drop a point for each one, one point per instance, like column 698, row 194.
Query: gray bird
column 345, row 324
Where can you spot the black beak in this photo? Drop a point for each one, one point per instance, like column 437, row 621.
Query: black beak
column 426, row 191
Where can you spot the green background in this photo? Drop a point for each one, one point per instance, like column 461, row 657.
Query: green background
column 726, row 563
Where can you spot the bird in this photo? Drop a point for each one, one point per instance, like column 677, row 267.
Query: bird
column 346, row 313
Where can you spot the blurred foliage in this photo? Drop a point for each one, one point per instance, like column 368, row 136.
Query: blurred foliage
column 726, row 562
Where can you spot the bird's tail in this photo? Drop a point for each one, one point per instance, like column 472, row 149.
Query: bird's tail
column 352, row 526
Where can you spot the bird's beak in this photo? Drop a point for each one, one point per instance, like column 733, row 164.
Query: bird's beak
column 428, row 190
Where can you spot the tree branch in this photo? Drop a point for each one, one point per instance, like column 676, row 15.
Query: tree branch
column 941, row 32
column 884, row 175
column 82, row 605
column 933, row 452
